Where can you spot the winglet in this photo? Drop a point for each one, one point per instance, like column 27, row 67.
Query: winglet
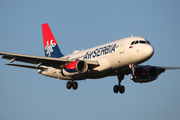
column 50, row 45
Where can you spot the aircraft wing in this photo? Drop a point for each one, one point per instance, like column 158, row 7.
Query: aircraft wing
column 160, row 68
column 40, row 60
column 168, row 68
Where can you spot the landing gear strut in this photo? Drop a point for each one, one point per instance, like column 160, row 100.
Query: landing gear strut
column 119, row 88
column 72, row 84
column 132, row 67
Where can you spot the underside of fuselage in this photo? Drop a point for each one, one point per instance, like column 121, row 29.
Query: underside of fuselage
column 91, row 74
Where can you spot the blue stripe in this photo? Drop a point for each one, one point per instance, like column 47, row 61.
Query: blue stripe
column 69, row 70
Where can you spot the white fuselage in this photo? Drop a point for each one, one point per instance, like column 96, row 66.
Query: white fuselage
column 113, row 58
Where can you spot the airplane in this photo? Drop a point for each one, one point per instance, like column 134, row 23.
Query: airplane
column 118, row 58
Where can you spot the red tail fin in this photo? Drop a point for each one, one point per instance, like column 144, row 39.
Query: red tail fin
column 50, row 45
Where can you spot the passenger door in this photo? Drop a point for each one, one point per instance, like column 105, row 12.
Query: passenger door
column 121, row 46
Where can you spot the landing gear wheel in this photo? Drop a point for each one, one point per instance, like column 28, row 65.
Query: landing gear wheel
column 133, row 77
column 75, row 85
column 122, row 89
column 133, row 69
column 69, row 85
column 116, row 89
column 119, row 87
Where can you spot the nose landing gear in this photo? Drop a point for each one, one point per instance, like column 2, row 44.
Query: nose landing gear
column 133, row 69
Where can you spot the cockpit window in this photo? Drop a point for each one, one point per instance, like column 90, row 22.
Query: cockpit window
column 148, row 42
column 136, row 42
column 141, row 42
column 132, row 43
column 144, row 42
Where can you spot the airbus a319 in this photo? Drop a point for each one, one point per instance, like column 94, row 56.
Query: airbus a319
column 118, row 58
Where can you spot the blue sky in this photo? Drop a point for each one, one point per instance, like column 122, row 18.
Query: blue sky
column 24, row 94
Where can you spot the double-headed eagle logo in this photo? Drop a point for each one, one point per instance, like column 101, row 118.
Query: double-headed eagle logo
column 49, row 49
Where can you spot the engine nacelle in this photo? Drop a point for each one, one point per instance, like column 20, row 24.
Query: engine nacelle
column 146, row 74
column 73, row 68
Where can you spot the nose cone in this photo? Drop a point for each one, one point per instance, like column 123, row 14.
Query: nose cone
column 148, row 51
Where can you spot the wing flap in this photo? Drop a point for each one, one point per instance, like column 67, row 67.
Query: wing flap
column 27, row 66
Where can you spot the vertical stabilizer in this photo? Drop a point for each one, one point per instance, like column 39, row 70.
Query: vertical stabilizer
column 50, row 46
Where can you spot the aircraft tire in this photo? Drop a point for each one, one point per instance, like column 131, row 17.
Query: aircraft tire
column 116, row 89
column 133, row 77
column 122, row 89
column 69, row 85
column 75, row 85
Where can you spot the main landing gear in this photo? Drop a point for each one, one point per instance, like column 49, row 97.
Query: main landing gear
column 72, row 84
column 119, row 88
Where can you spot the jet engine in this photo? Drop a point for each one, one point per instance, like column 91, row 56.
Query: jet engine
column 146, row 74
column 73, row 68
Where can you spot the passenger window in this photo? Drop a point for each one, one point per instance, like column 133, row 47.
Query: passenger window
column 132, row 43
column 143, row 42
column 136, row 42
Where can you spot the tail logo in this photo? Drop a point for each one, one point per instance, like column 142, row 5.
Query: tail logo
column 49, row 48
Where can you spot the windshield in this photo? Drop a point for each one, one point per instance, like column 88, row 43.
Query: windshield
column 140, row 42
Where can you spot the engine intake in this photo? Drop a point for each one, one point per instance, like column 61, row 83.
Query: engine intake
column 147, row 74
column 153, row 73
column 76, row 67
